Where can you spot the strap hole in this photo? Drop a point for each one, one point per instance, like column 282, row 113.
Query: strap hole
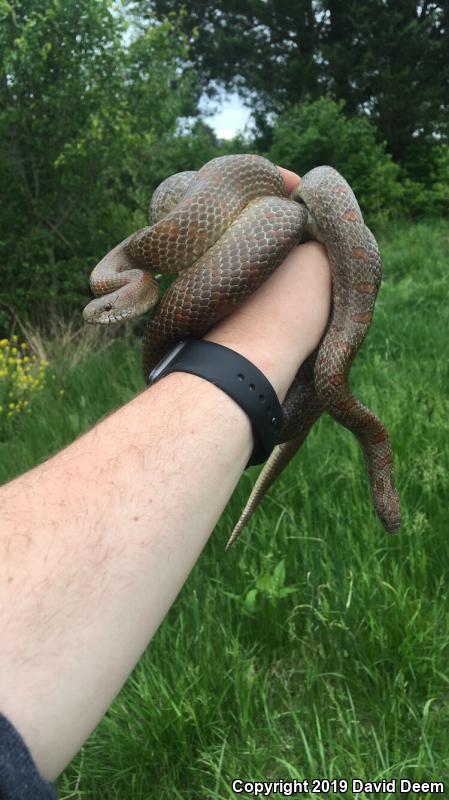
column 241, row 377
column 261, row 398
column 252, row 387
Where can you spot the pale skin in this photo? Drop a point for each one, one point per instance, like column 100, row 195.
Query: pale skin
column 97, row 542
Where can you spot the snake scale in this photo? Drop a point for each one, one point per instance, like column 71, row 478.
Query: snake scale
column 223, row 230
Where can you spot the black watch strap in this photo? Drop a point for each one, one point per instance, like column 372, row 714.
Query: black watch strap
column 236, row 376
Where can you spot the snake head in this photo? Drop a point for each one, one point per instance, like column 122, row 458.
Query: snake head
column 106, row 310
column 122, row 290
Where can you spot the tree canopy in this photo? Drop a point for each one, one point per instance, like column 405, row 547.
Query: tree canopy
column 80, row 109
column 99, row 103
column 387, row 59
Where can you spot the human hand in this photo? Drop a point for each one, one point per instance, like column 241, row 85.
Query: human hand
column 281, row 323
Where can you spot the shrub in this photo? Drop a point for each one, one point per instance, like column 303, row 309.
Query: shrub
column 319, row 132
column 22, row 377
column 426, row 185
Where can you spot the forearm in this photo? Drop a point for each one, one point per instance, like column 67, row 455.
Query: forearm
column 97, row 542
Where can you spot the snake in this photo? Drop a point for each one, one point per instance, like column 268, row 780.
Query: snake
column 222, row 230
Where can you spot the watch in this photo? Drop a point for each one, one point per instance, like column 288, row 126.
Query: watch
column 236, row 376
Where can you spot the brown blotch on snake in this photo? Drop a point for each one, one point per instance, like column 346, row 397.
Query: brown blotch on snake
column 366, row 316
column 351, row 216
column 366, row 288
column 224, row 229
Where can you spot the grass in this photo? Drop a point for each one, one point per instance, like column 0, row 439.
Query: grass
column 344, row 676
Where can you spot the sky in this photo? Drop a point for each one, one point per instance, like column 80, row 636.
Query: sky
column 230, row 117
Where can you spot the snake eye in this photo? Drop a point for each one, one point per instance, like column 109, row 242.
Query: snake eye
column 108, row 307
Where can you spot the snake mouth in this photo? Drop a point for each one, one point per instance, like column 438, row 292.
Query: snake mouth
column 105, row 317
column 104, row 311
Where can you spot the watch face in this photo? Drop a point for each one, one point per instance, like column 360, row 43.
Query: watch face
column 165, row 362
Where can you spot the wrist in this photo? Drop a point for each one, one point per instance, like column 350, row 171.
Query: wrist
column 283, row 321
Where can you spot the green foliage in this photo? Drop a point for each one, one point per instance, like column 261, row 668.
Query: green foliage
column 347, row 674
column 313, row 133
column 22, row 377
column 267, row 590
column 193, row 145
column 320, row 132
column 79, row 110
column 426, row 185
column 98, row 104
column 387, row 60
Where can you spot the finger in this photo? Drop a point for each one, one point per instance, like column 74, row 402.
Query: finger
column 291, row 179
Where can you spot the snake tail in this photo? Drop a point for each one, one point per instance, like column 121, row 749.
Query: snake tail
column 301, row 409
column 278, row 460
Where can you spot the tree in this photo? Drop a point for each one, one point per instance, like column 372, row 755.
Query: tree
column 387, row 59
column 310, row 134
column 79, row 107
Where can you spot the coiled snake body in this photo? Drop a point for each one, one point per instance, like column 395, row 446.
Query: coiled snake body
column 225, row 229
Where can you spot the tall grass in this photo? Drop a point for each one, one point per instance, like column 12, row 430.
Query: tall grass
column 319, row 645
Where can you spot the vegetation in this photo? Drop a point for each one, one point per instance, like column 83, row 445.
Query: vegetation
column 386, row 60
column 320, row 133
column 21, row 377
column 83, row 120
column 318, row 647
column 99, row 103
